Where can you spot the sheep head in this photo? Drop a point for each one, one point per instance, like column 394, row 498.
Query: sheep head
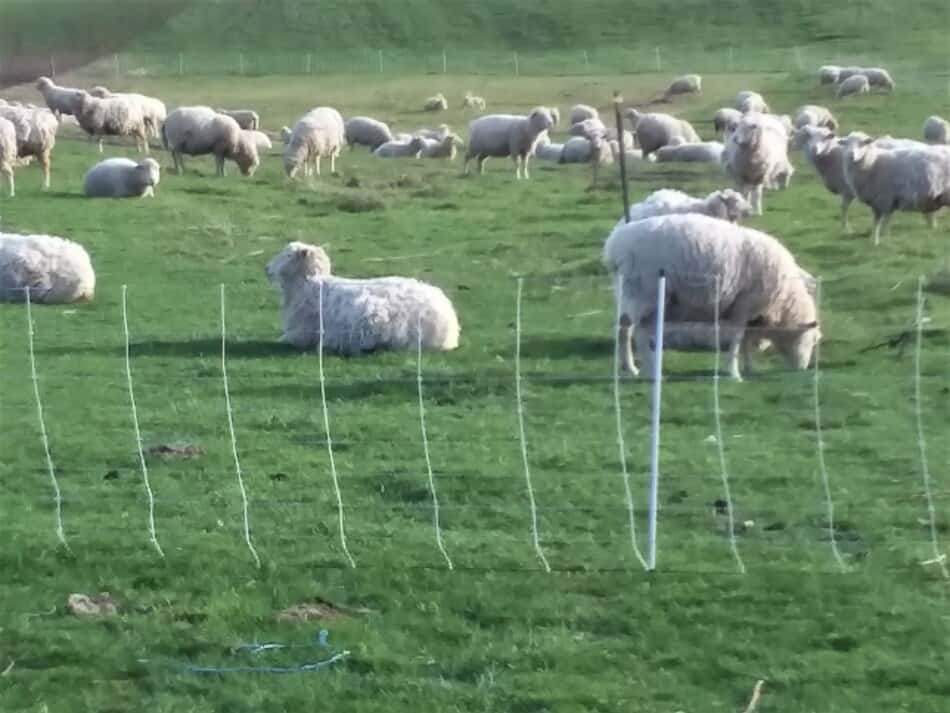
column 540, row 119
column 297, row 260
column 44, row 83
column 148, row 172
column 100, row 91
column 728, row 204
column 859, row 147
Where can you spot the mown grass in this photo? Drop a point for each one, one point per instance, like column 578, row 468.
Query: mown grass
column 497, row 633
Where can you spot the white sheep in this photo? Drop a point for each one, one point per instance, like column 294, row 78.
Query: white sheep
column 853, row 85
column 35, row 136
column 113, row 116
column 588, row 128
column 759, row 285
column 60, row 100
column 655, row 130
column 285, row 134
column 8, row 153
column 546, row 150
column 318, row 134
column 580, row 112
column 245, row 118
column 555, row 114
column 751, row 102
column 825, row 152
column 879, row 77
column 261, row 140
column 814, row 115
column 357, row 316
column 848, row 72
column 577, row 149
column 725, row 204
column 829, row 74
column 726, row 119
column 447, row 147
column 200, row 130
column 886, row 180
column 153, row 110
column 507, row 135
column 470, row 101
column 122, row 178
column 756, row 157
column 703, row 152
column 936, row 130
column 439, row 133
column 436, row 102
column 366, row 131
column 687, row 84
column 54, row 270
column 401, row 149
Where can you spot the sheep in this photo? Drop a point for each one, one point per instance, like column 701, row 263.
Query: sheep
column 555, row 115
column 54, row 270
column 113, row 116
column 60, row 100
column 577, row 149
column 439, row 133
column 403, row 137
column 545, row 150
column 507, row 135
column 366, row 131
column 762, row 295
column 200, row 130
column 756, row 156
column 656, row 130
column 829, row 74
column 855, row 84
column 401, row 149
column 318, row 134
column 703, row 152
column 285, row 134
column 588, row 127
column 848, row 72
column 726, row 119
column 245, row 118
column 152, row 109
column 936, row 130
column 470, row 101
column 356, row 316
column 814, row 115
column 687, row 84
column 436, row 103
column 580, row 112
column 749, row 101
column 910, row 179
column 725, row 204
column 8, row 153
column 35, row 136
column 261, row 140
column 446, row 148
column 878, row 77
column 122, row 178
column 825, row 152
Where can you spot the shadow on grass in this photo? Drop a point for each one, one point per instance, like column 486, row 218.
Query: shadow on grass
column 187, row 349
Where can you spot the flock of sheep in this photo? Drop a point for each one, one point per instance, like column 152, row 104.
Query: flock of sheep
column 724, row 281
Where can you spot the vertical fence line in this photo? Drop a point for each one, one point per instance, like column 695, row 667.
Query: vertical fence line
column 586, row 62
column 720, row 446
column 655, row 419
column 621, row 444
column 181, row 64
column 820, row 442
column 52, row 67
column 60, row 532
column 731, row 53
column 425, row 449
column 241, row 64
column 521, row 431
column 659, row 63
column 118, row 70
column 379, row 55
column 517, row 68
column 309, row 63
column 234, row 448
column 135, row 423
column 938, row 557
column 445, row 62
column 326, row 428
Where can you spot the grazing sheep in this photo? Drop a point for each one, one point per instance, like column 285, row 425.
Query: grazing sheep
column 656, row 130
column 855, row 84
column 245, row 118
column 759, row 282
column 507, row 135
column 725, row 204
column 200, row 130
column 580, row 112
column 878, row 77
column 726, row 119
column 470, row 101
column 54, row 270
column 847, row 72
column 285, row 134
column 401, row 149
column 446, row 148
column 886, row 180
column 751, row 102
column 756, row 156
column 814, row 115
column 357, row 316
column 588, row 127
column 153, row 110
column 261, row 140
column 122, row 178
column 60, row 100
column 318, row 134
column 8, row 153
column 829, row 74
column 936, row 130
column 35, row 136
column 703, row 152
column 436, row 103
column 366, row 131
column 440, row 133
column 825, row 152
column 687, row 84
column 112, row 116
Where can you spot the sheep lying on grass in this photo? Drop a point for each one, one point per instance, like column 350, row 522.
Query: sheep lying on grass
column 366, row 131
column 401, row 149
column 122, row 178
column 936, row 130
column 507, row 135
column 447, row 147
column 703, row 152
column 200, row 130
column 814, row 115
column 357, row 316
column 54, row 270
column 436, row 102
column 687, row 84
column 470, row 101
column 320, row 133
column 725, row 204
column 655, row 130
column 580, row 112
column 438, row 133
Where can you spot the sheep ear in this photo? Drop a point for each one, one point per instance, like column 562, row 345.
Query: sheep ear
column 809, row 325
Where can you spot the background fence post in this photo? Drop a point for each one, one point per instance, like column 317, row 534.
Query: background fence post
column 181, row 64
column 659, row 64
column 52, row 67
column 445, row 62
column 380, row 57
column 118, row 71
column 309, row 63
column 517, row 68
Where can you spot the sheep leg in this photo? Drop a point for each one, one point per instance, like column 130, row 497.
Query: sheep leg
column 219, row 164
column 46, row 160
column 880, row 226
column 524, row 165
column 317, row 162
column 145, row 143
column 481, row 164
column 517, row 160
column 333, row 164
column 845, row 206
column 625, row 345
column 757, row 195
column 8, row 172
column 100, row 144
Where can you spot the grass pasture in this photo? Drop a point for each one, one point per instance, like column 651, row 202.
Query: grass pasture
column 497, row 633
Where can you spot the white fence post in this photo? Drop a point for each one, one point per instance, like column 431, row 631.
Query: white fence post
column 659, row 64
column 181, row 64
column 118, row 71
column 380, row 57
column 52, row 67
column 731, row 64
column 655, row 422
column 309, row 63
column 586, row 62
column 241, row 63
column 445, row 62
column 517, row 69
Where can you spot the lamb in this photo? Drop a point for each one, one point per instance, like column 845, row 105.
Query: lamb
column 588, row 127
column 656, row 130
column 687, row 84
column 35, row 136
column 436, row 103
column 825, row 152
column 886, row 180
column 245, row 118
column 60, row 100
column 122, row 178
column 200, row 130
column 756, row 156
column 936, row 130
column 725, row 204
column 446, row 148
column 366, row 131
column 855, row 84
column 878, row 77
column 751, row 102
column 440, row 133
column 762, row 292
column 318, row 134
column 152, row 109
column 507, row 135
column 829, row 74
column 703, row 152
column 113, row 116
column 401, row 149
column 357, row 316
column 470, row 101
column 54, row 270
column 726, row 119
column 814, row 115
column 580, row 112
column 260, row 139
column 8, row 153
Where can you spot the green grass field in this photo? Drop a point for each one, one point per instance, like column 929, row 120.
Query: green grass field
column 497, row 633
